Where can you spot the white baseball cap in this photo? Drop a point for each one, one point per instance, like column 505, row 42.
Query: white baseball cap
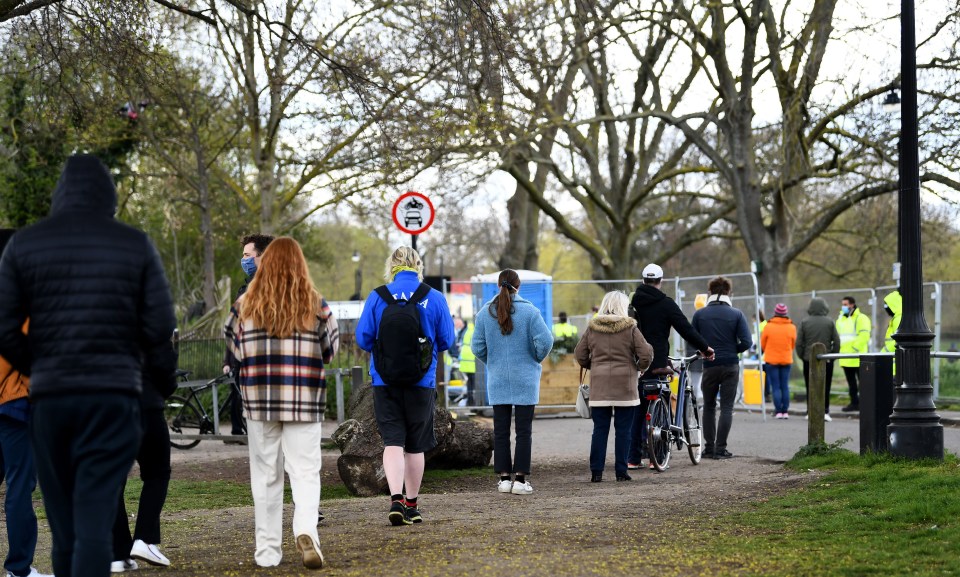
column 652, row 271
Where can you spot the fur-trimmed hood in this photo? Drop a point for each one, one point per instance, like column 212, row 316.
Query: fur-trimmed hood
column 611, row 323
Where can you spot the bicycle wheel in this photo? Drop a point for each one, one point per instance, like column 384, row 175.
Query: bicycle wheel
column 692, row 432
column 658, row 434
column 183, row 418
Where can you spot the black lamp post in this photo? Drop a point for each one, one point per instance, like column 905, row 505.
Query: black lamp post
column 915, row 431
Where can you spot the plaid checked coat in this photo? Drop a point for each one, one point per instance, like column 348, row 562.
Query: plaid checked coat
column 282, row 379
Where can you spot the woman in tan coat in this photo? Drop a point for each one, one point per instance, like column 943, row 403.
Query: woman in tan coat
column 615, row 352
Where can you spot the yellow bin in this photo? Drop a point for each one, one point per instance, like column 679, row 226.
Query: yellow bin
column 753, row 386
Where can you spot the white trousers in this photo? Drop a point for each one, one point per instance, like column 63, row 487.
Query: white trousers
column 275, row 447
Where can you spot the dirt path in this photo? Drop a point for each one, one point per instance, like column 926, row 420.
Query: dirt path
column 568, row 527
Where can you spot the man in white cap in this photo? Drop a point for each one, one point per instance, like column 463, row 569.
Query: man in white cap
column 656, row 314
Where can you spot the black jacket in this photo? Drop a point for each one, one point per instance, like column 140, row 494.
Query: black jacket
column 656, row 313
column 94, row 289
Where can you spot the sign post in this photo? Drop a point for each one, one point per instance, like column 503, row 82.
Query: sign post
column 413, row 213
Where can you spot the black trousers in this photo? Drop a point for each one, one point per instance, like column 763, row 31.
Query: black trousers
column 852, row 373
column 806, row 384
column 154, row 461
column 519, row 462
column 237, row 426
column 84, row 446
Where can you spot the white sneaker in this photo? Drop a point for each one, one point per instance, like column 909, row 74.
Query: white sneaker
column 786, row 415
column 505, row 486
column 123, row 566
column 33, row 573
column 521, row 488
column 827, row 417
column 149, row 553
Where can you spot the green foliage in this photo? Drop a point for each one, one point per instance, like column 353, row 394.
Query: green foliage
column 820, row 450
column 949, row 379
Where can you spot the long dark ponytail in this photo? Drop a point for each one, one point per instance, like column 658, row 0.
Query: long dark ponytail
column 502, row 305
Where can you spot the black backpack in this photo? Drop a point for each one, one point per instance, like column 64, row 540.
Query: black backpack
column 402, row 353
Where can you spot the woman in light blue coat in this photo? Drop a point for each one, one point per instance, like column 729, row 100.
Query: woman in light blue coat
column 511, row 339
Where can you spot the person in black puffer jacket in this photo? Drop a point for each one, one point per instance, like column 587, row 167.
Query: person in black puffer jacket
column 100, row 313
column 656, row 314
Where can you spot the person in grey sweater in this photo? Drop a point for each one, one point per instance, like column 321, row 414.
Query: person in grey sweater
column 818, row 327
column 512, row 339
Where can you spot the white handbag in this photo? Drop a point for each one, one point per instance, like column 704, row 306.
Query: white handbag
column 583, row 398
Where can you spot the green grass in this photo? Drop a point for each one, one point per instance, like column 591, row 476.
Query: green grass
column 188, row 495
column 872, row 515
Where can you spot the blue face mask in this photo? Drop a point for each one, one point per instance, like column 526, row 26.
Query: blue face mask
column 845, row 309
column 248, row 265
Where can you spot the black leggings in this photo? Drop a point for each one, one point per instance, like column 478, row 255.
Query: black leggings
column 154, row 460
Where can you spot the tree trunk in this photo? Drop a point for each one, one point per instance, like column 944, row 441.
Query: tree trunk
column 520, row 251
column 460, row 444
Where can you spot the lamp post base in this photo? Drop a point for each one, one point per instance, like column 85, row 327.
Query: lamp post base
column 915, row 431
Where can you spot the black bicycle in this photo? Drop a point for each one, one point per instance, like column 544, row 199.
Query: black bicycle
column 187, row 415
column 667, row 426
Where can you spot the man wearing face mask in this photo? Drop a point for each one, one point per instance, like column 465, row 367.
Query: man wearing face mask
column 854, row 330
column 253, row 247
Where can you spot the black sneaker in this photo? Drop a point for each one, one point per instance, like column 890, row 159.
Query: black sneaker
column 624, row 477
column 596, row 477
column 851, row 408
column 398, row 514
column 722, row 454
column 413, row 513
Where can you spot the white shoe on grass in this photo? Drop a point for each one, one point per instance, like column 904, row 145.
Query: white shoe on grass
column 149, row 553
column 523, row 488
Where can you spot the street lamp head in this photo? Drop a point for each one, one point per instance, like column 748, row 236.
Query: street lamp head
column 891, row 103
column 356, row 256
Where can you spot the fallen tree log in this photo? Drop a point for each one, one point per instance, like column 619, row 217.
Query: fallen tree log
column 460, row 444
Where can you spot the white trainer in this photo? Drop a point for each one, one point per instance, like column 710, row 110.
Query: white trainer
column 34, row 573
column 521, row 488
column 505, row 486
column 149, row 553
column 827, row 417
column 123, row 566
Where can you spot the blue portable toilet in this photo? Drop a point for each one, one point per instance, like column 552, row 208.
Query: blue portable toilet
column 535, row 286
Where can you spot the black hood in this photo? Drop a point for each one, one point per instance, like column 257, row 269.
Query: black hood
column 647, row 295
column 85, row 184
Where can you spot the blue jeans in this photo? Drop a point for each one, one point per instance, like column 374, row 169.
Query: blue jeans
column 779, row 378
column 623, row 425
column 17, row 467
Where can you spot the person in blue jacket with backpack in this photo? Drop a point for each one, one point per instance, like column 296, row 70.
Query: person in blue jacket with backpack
column 405, row 343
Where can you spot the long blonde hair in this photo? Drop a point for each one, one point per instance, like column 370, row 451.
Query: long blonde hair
column 281, row 298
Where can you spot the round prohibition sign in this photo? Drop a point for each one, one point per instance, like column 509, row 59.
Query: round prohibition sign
column 413, row 213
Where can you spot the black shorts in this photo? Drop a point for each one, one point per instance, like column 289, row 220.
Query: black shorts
column 405, row 417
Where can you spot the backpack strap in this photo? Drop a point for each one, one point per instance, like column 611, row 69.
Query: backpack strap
column 385, row 294
column 422, row 291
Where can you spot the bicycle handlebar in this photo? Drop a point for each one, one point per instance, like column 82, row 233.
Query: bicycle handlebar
column 686, row 360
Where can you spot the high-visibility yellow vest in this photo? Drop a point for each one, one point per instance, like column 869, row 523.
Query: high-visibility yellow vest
column 468, row 361
column 854, row 333
column 564, row 330
column 895, row 302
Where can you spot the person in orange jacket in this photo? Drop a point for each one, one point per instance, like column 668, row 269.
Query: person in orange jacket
column 16, row 464
column 777, row 341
